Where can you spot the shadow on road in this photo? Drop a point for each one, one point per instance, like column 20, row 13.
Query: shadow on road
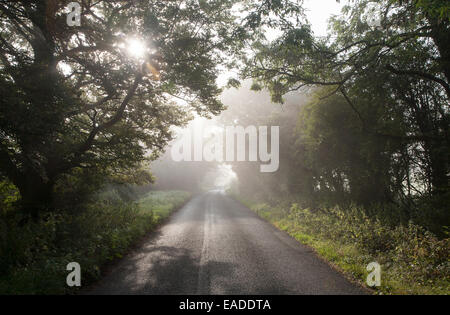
column 158, row 270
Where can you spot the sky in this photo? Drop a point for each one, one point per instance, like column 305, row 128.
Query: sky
column 318, row 12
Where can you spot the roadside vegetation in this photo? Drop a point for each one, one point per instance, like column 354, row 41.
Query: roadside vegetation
column 162, row 203
column 34, row 255
column 413, row 260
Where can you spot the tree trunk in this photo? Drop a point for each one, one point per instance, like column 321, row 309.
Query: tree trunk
column 441, row 38
column 439, row 168
column 37, row 195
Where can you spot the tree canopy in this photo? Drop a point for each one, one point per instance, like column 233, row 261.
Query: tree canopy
column 398, row 69
column 101, row 96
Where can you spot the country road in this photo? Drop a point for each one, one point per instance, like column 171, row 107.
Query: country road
column 215, row 245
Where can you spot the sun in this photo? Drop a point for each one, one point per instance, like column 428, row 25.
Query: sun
column 136, row 48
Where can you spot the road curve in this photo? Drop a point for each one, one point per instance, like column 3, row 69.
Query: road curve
column 215, row 245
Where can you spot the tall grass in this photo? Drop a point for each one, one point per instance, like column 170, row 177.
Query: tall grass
column 162, row 203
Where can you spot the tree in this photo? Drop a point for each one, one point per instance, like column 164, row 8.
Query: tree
column 100, row 96
column 409, row 53
column 347, row 163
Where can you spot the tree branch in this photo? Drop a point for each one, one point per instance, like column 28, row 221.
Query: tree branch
column 115, row 119
column 422, row 75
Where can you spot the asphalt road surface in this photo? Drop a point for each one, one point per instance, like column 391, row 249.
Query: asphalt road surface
column 215, row 245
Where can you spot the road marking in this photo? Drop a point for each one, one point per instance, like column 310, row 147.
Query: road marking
column 203, row 273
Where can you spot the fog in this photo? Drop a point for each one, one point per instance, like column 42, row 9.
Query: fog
column 244, row 107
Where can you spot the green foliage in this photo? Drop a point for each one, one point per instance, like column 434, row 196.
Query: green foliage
column 75, row 97
column 437, row 8
column 9, row 195
column 347, row 162
column 162, row 203
column 233, row 83
column 33, row 257
column 391, row 91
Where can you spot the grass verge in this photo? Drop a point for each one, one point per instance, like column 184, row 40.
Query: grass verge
column 413, row 261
